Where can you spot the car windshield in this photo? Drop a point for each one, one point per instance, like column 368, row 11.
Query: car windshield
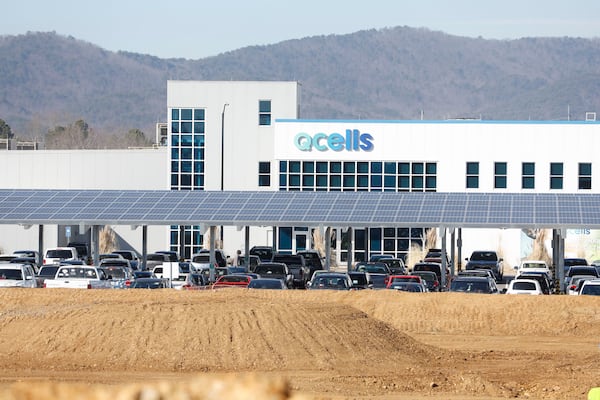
column 484, row 256
column 275, row 269
column 77, row 273
column 14, row 274
column 330, row 282
column 521, row 285
column 59, row 254
column 470, row 286
column 116, row 273
column 48, row 271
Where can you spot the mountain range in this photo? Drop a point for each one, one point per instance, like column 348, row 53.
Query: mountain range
column 47, row 79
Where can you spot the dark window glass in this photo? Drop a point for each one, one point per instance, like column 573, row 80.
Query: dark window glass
column 362, row 168
column 404, row 182
column 308, row 180
column 264, row 167
column 322, row 181
column 431, row 168
column 322, row 167
column 389, row 232
column 389, row 245
column 199, row 114
column 363, row 180
column 264, row 106
column 500, row 168
column 198, row 166
column 186, row 179
column 282, row 166
column 186, row 127
column 294, row 180
column 335, row 181
column 186, row 114
column 198, row 140
column 285, row 238
column 198, row 127
column 264, row 180
column 556, row 182
column 348, row 181
column 376, row 167
column 585, row 183
column 295, row 166
column 556, row 169
column 472, row 182
column 500, row 182
column 389, row 168
column 264, row 119
column 528, row 182
column 417, row 182
column 389, row 181
column 175, row 140
column 282, row 180
column 472, row 168
column 359, row 239
column 431, row 182
column 528, row 168
column 375, row 239
column 585, row 169
column 417, row 168
column 308, row 167
column 404, row 168
column 349, row 167
column 336, row 167
column 174, row 127
column 174, row 166
column 175, row 154
column 175, row 114
column 376, row 181
column 186, row 140
column 186, row 166
column 186, row 153
column 198, row 180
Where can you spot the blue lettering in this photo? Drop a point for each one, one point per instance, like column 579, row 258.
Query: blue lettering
column 353, row 140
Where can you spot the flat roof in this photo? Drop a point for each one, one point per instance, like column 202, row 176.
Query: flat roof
column 292, row 208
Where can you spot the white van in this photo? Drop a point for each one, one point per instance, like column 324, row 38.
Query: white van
column 57, row 254
column 17, row 275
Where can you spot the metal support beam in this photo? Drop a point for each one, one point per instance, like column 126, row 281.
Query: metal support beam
column 144, row 247
column 247, row 247
column 39, row 261
column 212, row 259
column 444, row 261
column 328, row 248
column 350, row 241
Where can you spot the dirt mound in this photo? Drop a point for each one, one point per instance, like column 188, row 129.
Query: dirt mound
column 315, row 344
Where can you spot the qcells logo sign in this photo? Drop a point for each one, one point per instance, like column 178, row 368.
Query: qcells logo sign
column 353, row 140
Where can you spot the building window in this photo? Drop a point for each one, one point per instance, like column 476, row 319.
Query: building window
column 472, row 175
column 556, row 175
column 528, row 175
column 264, row 173
column 357, row 176
column 500, row 175
column 264, row 112
column 585, row 176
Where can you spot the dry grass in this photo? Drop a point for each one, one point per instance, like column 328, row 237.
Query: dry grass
column 108, row 240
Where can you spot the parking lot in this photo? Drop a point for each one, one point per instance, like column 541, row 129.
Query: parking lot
column 322, row 344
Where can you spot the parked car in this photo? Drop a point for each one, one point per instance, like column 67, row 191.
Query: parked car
column 132, row 256
column 574, row 283
column 195, row 281
column 487, row 259
column 533, row 266
column 524, row 286
column 331, row 281
column 46, row 272
column 253, row 261
column 267, row 283
column 396, row 265
column 313, row 260
column 541, row 277
column 149, row 283
column 264, row 253
column 32, row 261
column 17, row 275
column 78, row 277
column 435, row 268
column 590, row 287
column 55, row 255
column 415, row 287
column 275, row 270
column 393, row 279
column 297, row 267
column 361, row 279
column 29, row 253
column 378, row 272
column 378, row 257
column 120, row 276
column 430, row 279
column 203, row 257
column 237, row 281
column 474, row 284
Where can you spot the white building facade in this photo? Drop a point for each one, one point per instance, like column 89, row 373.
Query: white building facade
column 240, row 136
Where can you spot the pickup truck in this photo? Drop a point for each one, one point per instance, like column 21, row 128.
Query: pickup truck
column 78, row 277
column 486, row 260
column 275, row 271
column 297, row 266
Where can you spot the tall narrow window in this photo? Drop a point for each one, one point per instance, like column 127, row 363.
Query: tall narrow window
column 556, row 175
column 264, row 112
column 264, row 173
column 472, row 175
column 528, row 175
column 585, row 176
column 500, row 175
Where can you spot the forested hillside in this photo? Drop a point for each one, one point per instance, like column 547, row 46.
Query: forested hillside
column 48, row 80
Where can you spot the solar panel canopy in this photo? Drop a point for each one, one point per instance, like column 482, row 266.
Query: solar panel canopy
column 287, row 208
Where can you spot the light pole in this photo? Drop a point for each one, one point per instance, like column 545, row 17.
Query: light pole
column 222, row 156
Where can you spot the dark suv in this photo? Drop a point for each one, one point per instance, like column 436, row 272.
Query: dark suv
column 265, row 253
column 297, row 266
column 486, row 260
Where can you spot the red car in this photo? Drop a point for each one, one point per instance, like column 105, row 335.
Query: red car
column 402, row 278
column 224, row 281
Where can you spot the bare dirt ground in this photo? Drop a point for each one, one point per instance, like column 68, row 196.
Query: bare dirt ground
column 236, row 343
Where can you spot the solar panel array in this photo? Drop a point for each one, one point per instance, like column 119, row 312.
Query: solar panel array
column 338, row 209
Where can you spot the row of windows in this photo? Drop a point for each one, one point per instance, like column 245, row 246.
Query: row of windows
column 187, row 148
column 584, row 181
column 352, row 175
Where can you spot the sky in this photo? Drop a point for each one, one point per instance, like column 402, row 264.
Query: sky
column 196, row 29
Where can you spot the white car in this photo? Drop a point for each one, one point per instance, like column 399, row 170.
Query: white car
column 533, row 266
column 574, row 283
column 57, row 254
column 524, row 286
column 590, row 287
column 17, row 275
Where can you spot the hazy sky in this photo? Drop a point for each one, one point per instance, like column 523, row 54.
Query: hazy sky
column 195, row 28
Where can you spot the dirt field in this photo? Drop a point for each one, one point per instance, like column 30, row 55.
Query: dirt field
column 235, row 343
